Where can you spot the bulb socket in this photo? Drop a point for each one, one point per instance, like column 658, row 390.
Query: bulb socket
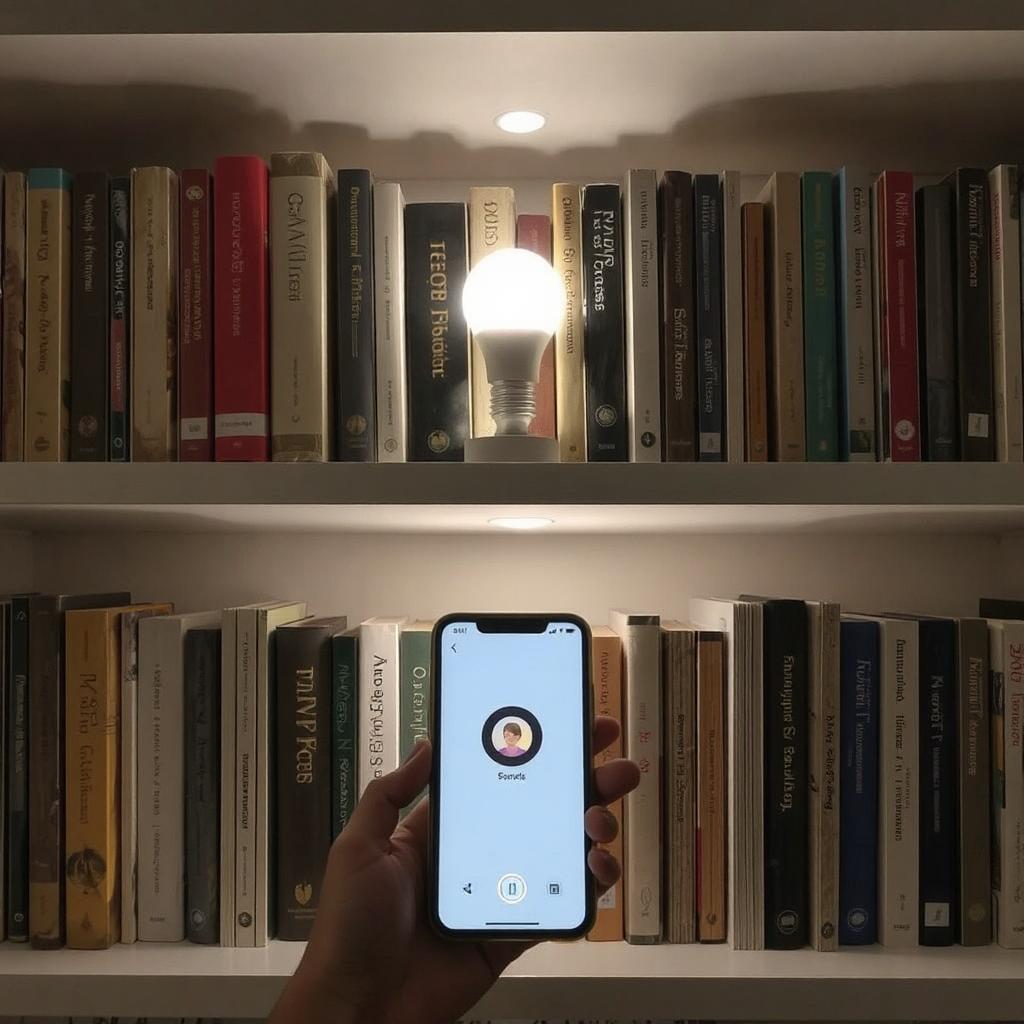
column 513, row 405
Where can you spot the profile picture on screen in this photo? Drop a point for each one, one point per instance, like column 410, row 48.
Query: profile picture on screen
column 511, row 736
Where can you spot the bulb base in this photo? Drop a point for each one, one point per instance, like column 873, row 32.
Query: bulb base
column 511, row 448
column 513, row 405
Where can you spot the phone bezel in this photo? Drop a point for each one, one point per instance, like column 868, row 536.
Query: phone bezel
column 507, row 622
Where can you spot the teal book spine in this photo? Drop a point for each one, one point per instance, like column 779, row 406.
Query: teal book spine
column 821, row 378
column 414, row 691
column 345, row 662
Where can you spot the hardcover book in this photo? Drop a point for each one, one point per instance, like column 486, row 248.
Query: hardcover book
column 711, row 819
column 120, row 318
column 567, row 243
column 755, row 336
column 345, row 668
column 12, row 336
column 533, row 233
column 377, row 714
column 16, row 737
column 732, row 313
column 414, row 656
column 710, row 390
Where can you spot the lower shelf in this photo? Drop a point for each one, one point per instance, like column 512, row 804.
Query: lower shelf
column 592, row 980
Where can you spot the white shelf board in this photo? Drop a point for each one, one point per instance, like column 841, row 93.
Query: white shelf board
column 554, row 980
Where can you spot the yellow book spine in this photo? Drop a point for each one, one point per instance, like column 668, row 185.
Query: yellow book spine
column 567, row 257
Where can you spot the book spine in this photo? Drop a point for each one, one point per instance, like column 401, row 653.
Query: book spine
column 47, row 316
column 303, row 835
column 119, row 355
column 93, row 687
column 936, row 323
column 414, row 689
column 732, row 313
column 1005, row 313
column 195, row 354
column 437, row 339
column 90, row 295
column 643, row 356
column 678, row 317
column 344, row 687
column 858, row 784
column 570, row 389
column 12, row 370
column 819, row 285
column 378, row 710
column 354, row 387
column 241, row 322
column 710, row 391
column 755, row 337
column 244, row 776
column 533, row 233
column 202, row 785
column 711, row 789
column 389, row 307
column 228, row 692
column 301, row 189
column 854, row 328
column 492, row 226
column 603, row 325
column 154, row 314
column 6, row 684
column 17, row 774
column 883, row 436
column 974, row 854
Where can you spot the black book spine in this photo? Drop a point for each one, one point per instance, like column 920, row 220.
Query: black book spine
column 707, row 196
column 437, row 338
column 604, row 330
column 343, row 729
column 974, row 315
column 120, row 318
column 936, row 324
column 785, row 784
column 17, row 773
column 202, row 785
column 355, row 396
column 90, row 297
column 937, row 783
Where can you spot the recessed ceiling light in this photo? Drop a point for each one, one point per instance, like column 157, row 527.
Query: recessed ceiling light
column 520, row 122
column 521, row 522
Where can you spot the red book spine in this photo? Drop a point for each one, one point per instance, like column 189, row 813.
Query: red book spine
column 899, row 313
column 195, row 357
column 533, row 232
column 241, row 382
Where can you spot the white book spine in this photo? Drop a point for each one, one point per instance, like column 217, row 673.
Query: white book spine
column 643, row 351
column 389, row 309
column 227, row 776
column 378, row 715
column 732, row 307
column 898, row 781
column 245, row 775
column 1006, row 312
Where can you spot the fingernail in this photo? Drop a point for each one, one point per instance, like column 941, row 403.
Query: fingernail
column 419, row 743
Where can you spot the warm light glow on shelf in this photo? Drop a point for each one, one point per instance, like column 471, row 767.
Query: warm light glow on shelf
column 521, row 522
column 520, row 122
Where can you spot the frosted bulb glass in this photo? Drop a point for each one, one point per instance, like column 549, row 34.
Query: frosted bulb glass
column 513, row 290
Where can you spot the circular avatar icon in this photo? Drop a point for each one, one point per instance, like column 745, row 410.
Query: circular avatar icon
column 511, row 736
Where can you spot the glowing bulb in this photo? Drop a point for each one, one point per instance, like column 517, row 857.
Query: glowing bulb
column 520, row 122
column 513, row 290
column 521, row 522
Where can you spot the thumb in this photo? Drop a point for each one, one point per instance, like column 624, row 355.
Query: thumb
column 376, row 814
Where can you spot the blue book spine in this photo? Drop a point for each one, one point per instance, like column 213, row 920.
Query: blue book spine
column 707, row 198
column 858, row 783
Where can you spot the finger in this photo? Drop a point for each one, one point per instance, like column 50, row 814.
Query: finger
column 606, row 732
column 376, row 813
column 416, row 823
column 601, row 824
column 604, row 867
column 615, row 779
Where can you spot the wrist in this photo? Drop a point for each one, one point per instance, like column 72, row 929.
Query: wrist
column 309, row 998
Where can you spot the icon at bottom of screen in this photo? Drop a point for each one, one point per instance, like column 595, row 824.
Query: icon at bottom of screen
column 512, row 888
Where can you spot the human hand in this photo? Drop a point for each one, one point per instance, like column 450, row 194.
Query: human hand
column 372, row 955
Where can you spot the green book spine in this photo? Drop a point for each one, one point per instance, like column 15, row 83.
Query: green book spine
column 345, row 659
column 414, row 691
column 821, row 382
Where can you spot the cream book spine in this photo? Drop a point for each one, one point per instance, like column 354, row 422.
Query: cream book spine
column 567, row 257
column 12, row 372
column 378, row 715
column 389, row 311
column 732, row 308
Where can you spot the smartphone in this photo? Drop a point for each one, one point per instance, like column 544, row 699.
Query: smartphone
column 511, row 777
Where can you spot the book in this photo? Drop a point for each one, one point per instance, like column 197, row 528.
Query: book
column 533, row 233
column 732, row 313
column 643, row 355
column 161, row 773
column 972, row 302
column 389, row 313
column 119, row 356
column 202, row 784
column 1004, row 226
column 567, row 246
column 414, row 656
column 679, row 718
column 854, row 326
column 47, row 746
column 47, row 315
column 755, row 336
column 344, row 684
column 711, row 819
column 154, row 284
column 377, row 711
column 641, row 827
column 781, row 198
column 492, row 226
column 241, row 320
column 710, row 384
column 302, row 836
column 974, row 801
column 302, row 202
column 437, row 339
column 226, row 847
column 604, row 352
column 824, row 807
column 12, row 324
column 355, row 404
column 678, row 317
column 936, row 323
column 195, row 318
column 5, row 641
column 821, row 384
column 858, row 782
column 606, row 683
column 15, row 848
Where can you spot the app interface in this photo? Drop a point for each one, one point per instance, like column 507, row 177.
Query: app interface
column 511, row 849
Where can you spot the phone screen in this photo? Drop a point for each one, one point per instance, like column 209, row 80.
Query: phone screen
column 511, row 778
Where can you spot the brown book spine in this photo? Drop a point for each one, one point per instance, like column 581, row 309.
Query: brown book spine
column 755, row 341
column 12, row 421
column 711, row 810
